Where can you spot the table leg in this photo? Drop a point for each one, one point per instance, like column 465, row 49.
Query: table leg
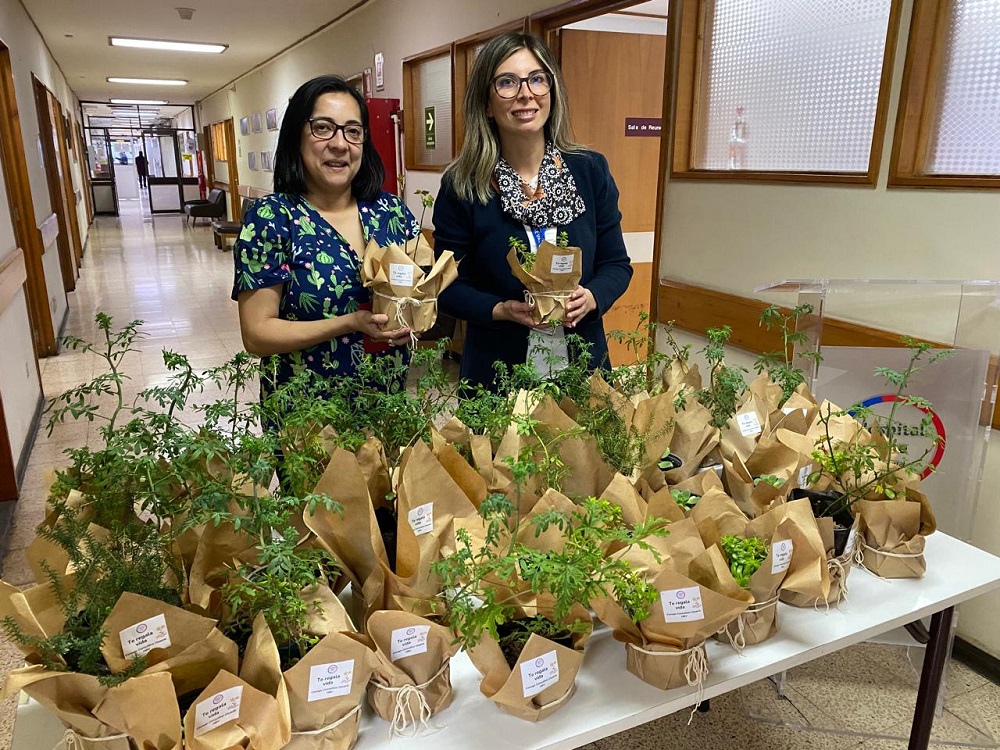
column 935, row 658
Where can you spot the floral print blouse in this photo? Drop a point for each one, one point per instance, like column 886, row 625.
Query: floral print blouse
column 285, row 240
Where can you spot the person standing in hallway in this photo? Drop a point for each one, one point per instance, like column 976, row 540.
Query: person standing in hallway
column 519, row 175
column 141, row 168
column 297, row 258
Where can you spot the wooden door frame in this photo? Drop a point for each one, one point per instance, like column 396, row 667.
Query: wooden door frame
column 22, row 211
column 547, row 24
column 73, row 216
column 57, row 198
column 84, row 172
column 234, row 170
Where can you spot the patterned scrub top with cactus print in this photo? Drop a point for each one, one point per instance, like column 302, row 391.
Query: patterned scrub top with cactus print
column 285, row 240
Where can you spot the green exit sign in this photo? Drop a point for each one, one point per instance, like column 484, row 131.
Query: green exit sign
column 430, row 128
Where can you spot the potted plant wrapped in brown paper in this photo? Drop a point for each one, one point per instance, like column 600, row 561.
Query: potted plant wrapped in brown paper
column 514, row 588
column 405, row 281
column 692, row 600
column 111, row 578
column 862, row 457
column 550, row 274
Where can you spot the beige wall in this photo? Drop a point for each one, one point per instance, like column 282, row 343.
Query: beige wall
column 735, row 237
column 19, row 383
column 396, row 28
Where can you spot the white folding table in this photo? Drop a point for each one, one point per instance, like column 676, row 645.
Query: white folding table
column 609, row 699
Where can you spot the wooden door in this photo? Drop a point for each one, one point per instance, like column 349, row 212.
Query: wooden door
column 22, row 211
column 53, row 177
column 613, row 78
column 63, row 136
column 234, row 172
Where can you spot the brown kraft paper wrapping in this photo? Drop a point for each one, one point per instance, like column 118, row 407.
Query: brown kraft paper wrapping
column 412, row 679
column 550, row 669
column 769, row 457
column 651, row 416
column 717, row 515
column 400, row 288
column 740, row 435
column 84, row 708
column 671, row 654
column 587, row 472
column 890, row 539
column 35, row 610
column 760, row 621
column 354, row 537
column 428, row 499
column 192, row 649
column 555, row 274
column 231, row 713
column 819, row 588
column 693, row 438
column 323, row 691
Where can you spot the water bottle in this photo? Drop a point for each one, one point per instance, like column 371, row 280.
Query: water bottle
column 738, row 141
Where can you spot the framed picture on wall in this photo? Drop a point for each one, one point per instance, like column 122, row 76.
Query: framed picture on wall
column 252, row 160
column 255, row 122
column 366, row 84
column 271, row 118
column 244, row 126
column 265, row 161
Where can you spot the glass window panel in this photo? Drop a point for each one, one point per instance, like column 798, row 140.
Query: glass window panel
column 432, row 87
column 806, row 74
column 967, row 138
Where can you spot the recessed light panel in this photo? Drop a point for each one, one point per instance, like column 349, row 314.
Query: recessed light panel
column 138, row 101
column 149, row 81
column 116, row 41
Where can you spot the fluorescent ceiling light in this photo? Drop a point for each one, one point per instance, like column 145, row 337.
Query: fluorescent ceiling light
column 116, row 41
column 137, row 101
column 150, row 81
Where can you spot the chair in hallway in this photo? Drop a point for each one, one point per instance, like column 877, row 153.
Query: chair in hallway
column 221, row 229
column 213, row 208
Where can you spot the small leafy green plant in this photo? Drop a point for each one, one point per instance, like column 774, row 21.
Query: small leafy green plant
column 781, row 365
column 725, row 383
column 877, row 466
column 745, row 556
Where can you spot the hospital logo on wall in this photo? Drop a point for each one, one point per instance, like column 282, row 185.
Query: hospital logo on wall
column 913, row 425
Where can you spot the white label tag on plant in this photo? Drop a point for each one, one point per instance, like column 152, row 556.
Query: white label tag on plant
column 749, row 424
column 539, row 673
column 781, row 556
column 144, row 636
column 804, row 473
column 852, row 539
column 421, row 519
column 682, row 605
column 408, row 642
column 219, row 709
column 400, row 274
column 330, row 680
column 562, row 264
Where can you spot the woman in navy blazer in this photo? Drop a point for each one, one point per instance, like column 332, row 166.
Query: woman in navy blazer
column 520, row 176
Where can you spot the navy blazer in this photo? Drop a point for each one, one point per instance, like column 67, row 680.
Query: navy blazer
column 478, row 234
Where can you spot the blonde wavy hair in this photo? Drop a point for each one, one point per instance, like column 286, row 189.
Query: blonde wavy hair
column 471, row 174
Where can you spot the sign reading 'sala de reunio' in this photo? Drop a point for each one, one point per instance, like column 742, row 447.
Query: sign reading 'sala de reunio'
column 643, row 126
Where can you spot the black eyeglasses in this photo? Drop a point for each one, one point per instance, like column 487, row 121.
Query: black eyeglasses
column 508, row 85
column 324, row 129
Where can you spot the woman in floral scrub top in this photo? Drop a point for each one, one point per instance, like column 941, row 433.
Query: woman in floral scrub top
column 297, row 258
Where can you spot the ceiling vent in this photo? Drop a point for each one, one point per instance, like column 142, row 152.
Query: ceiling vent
column 186, row 14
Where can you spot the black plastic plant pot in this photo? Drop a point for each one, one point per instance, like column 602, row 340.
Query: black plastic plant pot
column 671, row 461
column 830, row 505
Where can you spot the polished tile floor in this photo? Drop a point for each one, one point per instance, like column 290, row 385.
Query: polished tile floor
column 172, row 277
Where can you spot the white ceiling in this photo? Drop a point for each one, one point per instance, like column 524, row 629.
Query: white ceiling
column 254, row 30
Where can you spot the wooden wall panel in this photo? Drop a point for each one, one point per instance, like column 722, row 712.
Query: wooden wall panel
column 624, row 315
column 609, row 77
column 695, row 308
